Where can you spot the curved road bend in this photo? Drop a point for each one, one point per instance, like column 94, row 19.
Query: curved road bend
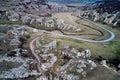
column 112, row 35
column 76, row 38
column 110, row 32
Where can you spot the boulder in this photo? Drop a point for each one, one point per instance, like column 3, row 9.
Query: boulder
column 104, row 15
column 93, row 65
column 40, row 21
column 50, row 23
column 14, row 42
column 97, row 16
column 117, row 23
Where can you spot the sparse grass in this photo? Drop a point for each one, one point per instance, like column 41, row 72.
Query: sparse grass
column 11, row 22
column 46, row 40
column 115, row 47
column 66, row 17
column 72, row 40
column 39, row 27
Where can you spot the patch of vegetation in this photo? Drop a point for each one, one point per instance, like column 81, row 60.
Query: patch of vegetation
column 115, row 46
column 39, row 27
column 46, row 39
column 117, row 51
column 58, row 44
column 116, row 77
column 72, row 40
column 11, row 22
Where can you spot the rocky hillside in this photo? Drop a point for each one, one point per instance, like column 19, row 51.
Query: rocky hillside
column 109, row 6
column 38, row 7
column 72, row 1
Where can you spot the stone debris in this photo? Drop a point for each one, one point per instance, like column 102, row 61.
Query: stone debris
column 51, row 45
column 70, row 77
column 79, row 65
column 35, row 30
column 20, row 72
column 49, row 63
column 63, row 26
column 38, row 44
column 14, row 34
column 14, row 42
column 36, row 20
column 73, row 50
column 3, row 14
column 40, row 21
column 74, row 61
column 103, row 62
column 87, row 53
column 13, row 16
column 26, row 19
column 97, row 16
column 13, row 59
column 117, row 22
column 56, row 7
column 119, row 66
column 50, row 23
column 111, row 19
column 93, row 65
column 42, row 78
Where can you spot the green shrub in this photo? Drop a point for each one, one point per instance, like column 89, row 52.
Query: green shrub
column 115, row 46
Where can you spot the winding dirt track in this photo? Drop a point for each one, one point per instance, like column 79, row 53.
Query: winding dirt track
column 32, row 48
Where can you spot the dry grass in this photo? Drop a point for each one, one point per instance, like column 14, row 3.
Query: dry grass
column 66, row 17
